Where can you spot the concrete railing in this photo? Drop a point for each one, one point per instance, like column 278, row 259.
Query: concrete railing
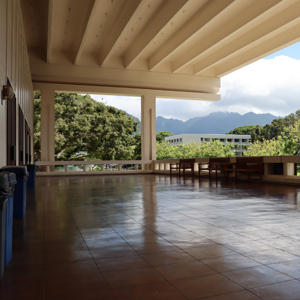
column 46, row 168
column 279, row 169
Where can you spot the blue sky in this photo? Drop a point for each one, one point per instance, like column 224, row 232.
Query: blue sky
column 270, row 85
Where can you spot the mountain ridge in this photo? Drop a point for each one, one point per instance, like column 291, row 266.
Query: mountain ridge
column 214, row 123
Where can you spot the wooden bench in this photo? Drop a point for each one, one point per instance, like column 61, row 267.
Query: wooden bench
column 184, row 164
column 214, row 164
column 246, row 165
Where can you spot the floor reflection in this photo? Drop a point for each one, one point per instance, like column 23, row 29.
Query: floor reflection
column 155, row 237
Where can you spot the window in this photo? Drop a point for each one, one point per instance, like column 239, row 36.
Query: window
column 236, row 140
column 229, row 140
column 222, row 140
column 244, row 141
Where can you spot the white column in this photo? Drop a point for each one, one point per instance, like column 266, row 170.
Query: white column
column 47, row 124
column 148, row 120
column 288, row 169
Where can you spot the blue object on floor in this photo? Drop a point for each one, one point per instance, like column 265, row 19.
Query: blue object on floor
column 31, row 178
column 12, row 180
column 20, row 190
column 4, row 188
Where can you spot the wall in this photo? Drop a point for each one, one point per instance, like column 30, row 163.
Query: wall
column 14, row 65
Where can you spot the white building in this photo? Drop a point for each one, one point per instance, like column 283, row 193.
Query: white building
column 237, row 139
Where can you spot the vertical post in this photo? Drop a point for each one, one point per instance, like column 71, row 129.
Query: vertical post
column 148, row 120
column 288, row 169
column 47, row 125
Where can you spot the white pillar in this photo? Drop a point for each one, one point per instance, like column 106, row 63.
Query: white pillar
column 47, row 124
column 148, row 122
column 288, row 169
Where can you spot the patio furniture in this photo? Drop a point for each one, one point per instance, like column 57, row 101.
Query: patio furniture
column 184, row 164
column 245, row 165
column 215, row 164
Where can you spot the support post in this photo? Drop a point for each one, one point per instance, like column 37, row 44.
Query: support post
column 47, row 125
column 148, row 135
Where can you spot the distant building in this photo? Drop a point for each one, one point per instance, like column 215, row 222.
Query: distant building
column 237, row 139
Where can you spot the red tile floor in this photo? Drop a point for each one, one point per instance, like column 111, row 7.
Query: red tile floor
column 153, row 237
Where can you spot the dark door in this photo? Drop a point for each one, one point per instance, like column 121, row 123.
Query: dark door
column 26, row 143
column 21, row 137
column 11, row 132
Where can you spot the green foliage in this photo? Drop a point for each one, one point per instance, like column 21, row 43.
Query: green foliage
column 86, row 128
column 275, row 129
column 193, row 150
column 242, row 130
column 160, row 136
column 271, row 147
column 37, row 125
column 287, row 143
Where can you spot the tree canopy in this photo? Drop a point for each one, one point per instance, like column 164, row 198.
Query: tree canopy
column 242, row 130
column 275, row 129
column 193, row 150
column 85, row 128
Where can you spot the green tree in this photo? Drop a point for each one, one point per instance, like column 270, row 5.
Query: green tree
column 160, row 136
column 137, row 141
column 193, row 150
column 85, row 128
column 242, row 130
column 271, row 147
column 275, row 129
column 286, row 143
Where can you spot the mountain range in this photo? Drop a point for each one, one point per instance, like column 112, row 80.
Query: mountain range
column 215, row 123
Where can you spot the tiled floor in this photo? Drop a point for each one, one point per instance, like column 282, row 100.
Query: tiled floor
column 152, row 237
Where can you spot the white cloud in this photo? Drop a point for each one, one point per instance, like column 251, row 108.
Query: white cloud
column 266, row 86
column 131, row 105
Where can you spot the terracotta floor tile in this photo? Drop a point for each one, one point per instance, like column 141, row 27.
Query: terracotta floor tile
column 290, row 268
column 132, row 277
column 184, row 270
column 104, row 243
column 121, row 263
column 230, row 262
column 256, row 276
column 155, row 291
column 271, row 256
column 164, row 258
column 156, row 247
column 289, row 290
column 22, row 289
column 62, row 257
column 138, row 240
column 57, row 247
column 53, row 271
column 110, row 252
column 209, row 251
column 79, row 283
column 205, row 286
column 87, row 295
column 242, row 295
column 77, row 227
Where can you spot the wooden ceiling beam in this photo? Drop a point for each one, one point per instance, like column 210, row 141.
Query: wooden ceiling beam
column 50, row 31
column 153, row 28
column 278, row 23
column 208, row 12
column 118, row 32
column 91, row 13
column 267, row 47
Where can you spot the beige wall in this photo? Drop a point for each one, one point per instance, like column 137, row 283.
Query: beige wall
column 14, row 65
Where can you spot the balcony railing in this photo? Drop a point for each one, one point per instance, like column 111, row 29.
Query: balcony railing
column 46, row 168
column 281, row 169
